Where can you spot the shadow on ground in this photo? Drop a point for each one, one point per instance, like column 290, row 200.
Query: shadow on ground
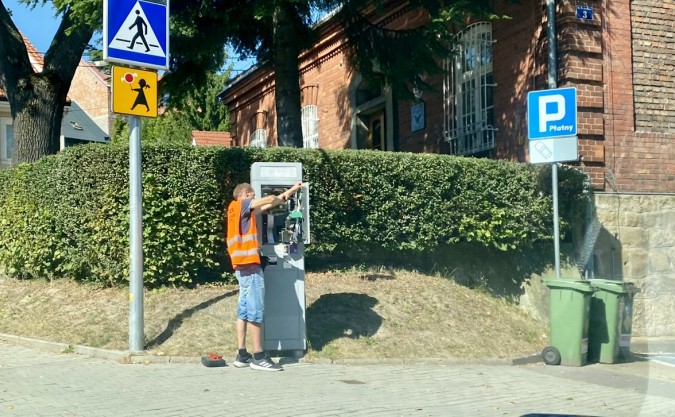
column 334, row 316
column 178, row 320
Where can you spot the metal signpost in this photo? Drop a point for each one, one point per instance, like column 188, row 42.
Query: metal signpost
column 136, row 33
column 552, row 130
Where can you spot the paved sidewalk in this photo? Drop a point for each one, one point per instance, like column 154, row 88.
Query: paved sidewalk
column 35, row 382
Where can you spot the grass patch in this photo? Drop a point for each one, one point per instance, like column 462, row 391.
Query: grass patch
column 383, row 313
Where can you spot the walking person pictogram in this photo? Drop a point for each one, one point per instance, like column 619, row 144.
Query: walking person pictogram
column 140, row 98
column 141, row 31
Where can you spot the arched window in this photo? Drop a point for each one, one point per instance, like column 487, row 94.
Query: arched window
column 258, row 139
column 258, row 124
column 310, row 127
column 469, row 92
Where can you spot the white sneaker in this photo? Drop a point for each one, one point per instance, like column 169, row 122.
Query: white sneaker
column 265, row 364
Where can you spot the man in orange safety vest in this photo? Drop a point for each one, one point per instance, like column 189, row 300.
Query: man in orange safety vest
column 244, row 251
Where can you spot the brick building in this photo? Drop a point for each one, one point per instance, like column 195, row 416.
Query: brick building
column 620, row 61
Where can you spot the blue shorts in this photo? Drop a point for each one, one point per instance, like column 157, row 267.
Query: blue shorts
column 251, row 294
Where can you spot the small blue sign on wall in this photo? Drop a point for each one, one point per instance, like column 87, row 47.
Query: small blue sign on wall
column 584, row 12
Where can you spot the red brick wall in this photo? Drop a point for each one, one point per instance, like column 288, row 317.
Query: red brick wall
column 518, row 62
column 639, row 156
column 580, row 65
column 247, row 101
column 654, row 65
column 327, row 68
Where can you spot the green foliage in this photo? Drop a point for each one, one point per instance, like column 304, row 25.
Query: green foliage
column 199, row 110
column 68, row 214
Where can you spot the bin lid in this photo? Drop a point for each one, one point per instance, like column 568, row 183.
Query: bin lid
column 582, row 286
column 617, row 287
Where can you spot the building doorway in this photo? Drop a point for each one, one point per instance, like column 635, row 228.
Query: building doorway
column 377, row 139
column 372, row 122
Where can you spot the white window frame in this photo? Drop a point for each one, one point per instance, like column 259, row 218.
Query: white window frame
column 468, row 91
column 310, row 126
column 5, row 122
column 258, row 139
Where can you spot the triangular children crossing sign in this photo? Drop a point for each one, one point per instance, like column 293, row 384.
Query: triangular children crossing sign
column 136, row 32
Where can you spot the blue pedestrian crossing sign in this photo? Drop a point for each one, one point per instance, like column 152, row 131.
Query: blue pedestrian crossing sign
column 136, row 32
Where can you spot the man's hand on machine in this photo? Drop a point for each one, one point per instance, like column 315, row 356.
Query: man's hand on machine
column 288, row 193
column 270, row 201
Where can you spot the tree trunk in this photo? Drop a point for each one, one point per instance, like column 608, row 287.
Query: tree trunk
column 37, row 119
column 36, row 99
column 287, row 76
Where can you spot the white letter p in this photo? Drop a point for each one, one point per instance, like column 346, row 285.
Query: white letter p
column 550, row 117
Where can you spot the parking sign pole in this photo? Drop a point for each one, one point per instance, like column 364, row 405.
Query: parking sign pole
column 556, row 222
column 553, row 83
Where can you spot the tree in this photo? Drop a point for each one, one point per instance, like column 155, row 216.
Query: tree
column 199, row 30
column 37, row 99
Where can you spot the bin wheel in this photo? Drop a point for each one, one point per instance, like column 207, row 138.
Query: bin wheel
column 551, row 356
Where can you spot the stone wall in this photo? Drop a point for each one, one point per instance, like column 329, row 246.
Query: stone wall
column 637, row 244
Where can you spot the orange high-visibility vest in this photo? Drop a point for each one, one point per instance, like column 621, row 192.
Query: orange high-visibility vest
column 243, row 248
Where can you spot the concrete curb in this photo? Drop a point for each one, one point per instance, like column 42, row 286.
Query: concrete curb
column 127, row 357
column 120, row 356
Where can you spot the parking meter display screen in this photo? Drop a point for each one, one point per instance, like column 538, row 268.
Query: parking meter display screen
column 279, row 172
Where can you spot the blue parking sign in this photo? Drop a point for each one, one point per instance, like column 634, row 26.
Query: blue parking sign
column 552, row 113
column 136, row 32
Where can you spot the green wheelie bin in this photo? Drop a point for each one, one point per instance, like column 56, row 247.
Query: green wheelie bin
column 610, row 320
column 570, row 308
column 627, row 321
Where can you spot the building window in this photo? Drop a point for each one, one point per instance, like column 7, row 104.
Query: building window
column 258, row 139
column 469, row 92
column 310, row 127
column 6, row 140
column 258, row 123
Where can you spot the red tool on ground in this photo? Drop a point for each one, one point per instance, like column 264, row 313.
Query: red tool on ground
column 213, row 360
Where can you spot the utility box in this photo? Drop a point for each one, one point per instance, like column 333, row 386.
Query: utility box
column 283, row 232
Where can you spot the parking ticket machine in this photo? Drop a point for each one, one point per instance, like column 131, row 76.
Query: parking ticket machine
column 283, row 232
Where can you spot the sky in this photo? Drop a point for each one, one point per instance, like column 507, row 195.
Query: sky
column 39, row 26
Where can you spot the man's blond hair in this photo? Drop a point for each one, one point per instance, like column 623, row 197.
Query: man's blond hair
column 241, row 189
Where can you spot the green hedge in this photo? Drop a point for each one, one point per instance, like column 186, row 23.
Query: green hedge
column 68, row 215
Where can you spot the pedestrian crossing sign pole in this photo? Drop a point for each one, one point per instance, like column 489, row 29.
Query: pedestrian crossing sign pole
column 136, row 32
